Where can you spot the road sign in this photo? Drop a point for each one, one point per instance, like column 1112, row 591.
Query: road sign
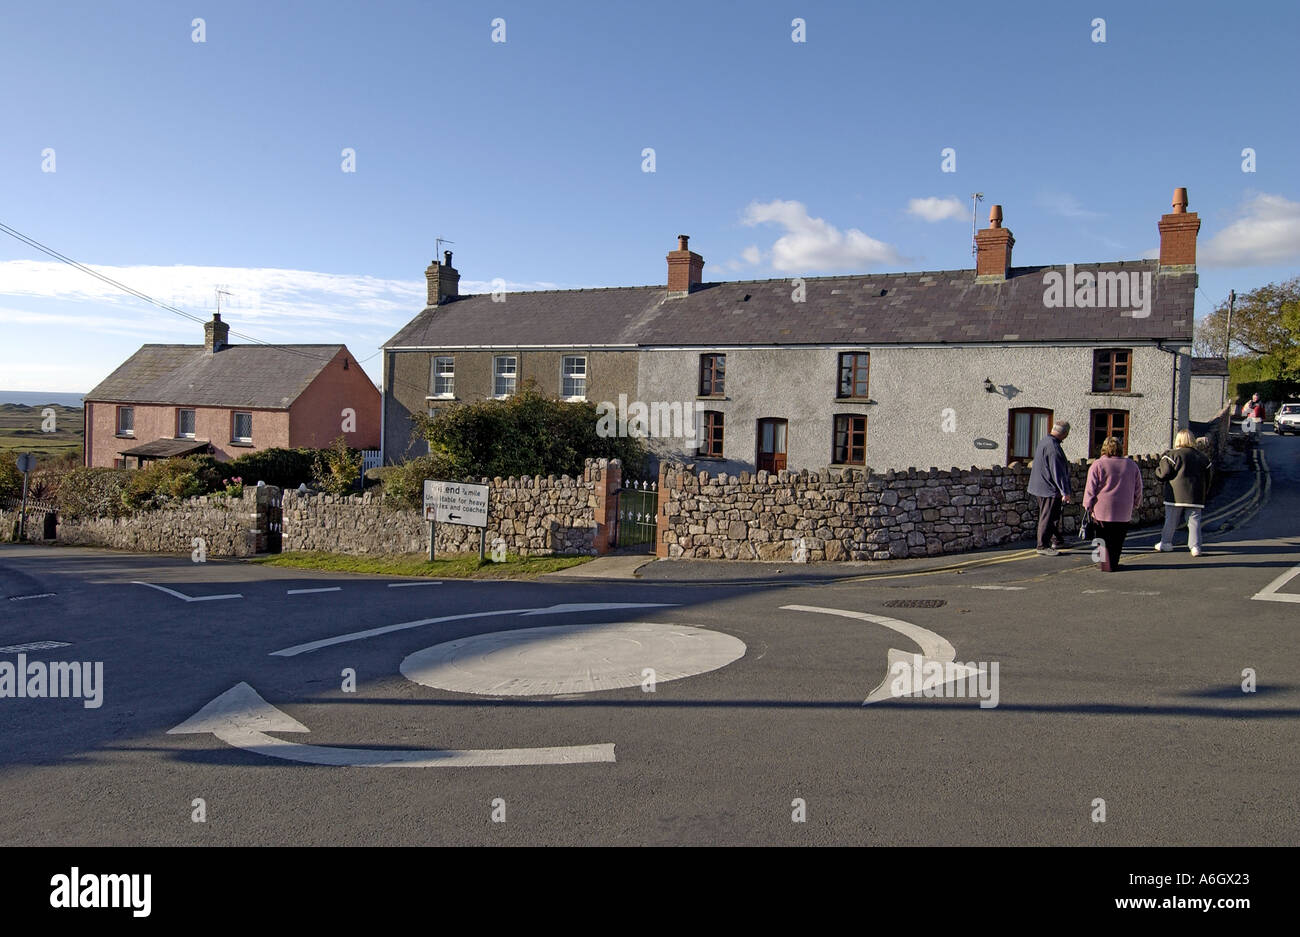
column 456, row 503
column 26, row 462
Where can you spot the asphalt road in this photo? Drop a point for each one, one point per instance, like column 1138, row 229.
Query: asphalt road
column 1123, row 687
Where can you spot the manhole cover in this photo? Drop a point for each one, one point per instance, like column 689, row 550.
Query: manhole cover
column 916, row 603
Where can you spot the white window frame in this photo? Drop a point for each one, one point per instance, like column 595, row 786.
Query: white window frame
column 498, row 375
column 567, row 375
column 441, row 373
column 179, row 411
column 234, row 426
column 125, row 431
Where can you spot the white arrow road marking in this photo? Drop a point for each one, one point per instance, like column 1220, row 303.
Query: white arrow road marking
column 189, row 598
column 403, row 626
column 33, row 646
column 241, row 718
column 1270, row 594
column 934, row 648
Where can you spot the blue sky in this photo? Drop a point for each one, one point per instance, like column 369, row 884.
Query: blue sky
column 181, row 166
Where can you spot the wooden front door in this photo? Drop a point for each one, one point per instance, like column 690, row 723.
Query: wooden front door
column 771, row 445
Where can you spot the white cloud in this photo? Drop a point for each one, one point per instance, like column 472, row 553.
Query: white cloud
column 933, row 208
column 751, row 254
column 810, row 244
column 1266, row 233
column 1065, row 205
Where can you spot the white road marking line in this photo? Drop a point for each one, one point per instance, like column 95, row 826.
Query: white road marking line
column 403, row 626
column 934, row 647
column 34, row 646
column 24, row 598
column 189, row 598
column 308, row 591
column 1270, row 594
column 1003, row 588
column 1099, row 591
column 400, row 585
column 240, row 717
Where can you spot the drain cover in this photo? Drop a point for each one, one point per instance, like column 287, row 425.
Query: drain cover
column 916, row 603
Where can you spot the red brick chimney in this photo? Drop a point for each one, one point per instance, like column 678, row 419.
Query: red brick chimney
column 685, row 269
column 444, row 281
column 993, row 248
column 1178, row 236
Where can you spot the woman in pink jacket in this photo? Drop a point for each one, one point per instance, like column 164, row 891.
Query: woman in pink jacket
column 1113, row 493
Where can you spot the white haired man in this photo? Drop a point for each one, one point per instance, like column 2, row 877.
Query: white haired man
column 1049, row 482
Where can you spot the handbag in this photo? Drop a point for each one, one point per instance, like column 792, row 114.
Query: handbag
column 1087, row 526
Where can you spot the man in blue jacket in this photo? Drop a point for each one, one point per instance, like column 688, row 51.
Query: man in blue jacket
column 1049, row 482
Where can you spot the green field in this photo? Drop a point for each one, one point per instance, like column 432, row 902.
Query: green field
column 21, row 430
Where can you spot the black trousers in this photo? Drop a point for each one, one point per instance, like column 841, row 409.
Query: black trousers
column 1049, row 520
column 1112, row 534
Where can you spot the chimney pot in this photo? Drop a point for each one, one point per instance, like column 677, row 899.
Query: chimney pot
column 995, row 216
column 1178, row 231
column 446, row 258
column 682, row 241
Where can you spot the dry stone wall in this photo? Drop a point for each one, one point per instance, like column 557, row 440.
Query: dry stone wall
column 853, row 514
column 534, row 516
column 227, row 526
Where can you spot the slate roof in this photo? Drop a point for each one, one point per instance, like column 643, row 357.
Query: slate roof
column 1216, row 367
column 166, row 448
column 875, row 309
column 268, row 377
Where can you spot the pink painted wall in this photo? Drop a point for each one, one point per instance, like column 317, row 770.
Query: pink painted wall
column 213, row 424
column 316, row 417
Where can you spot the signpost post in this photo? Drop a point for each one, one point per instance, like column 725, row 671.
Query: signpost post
column 26, row 463
column 456, row 503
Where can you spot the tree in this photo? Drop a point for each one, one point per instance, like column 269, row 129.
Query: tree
column 1265, row 326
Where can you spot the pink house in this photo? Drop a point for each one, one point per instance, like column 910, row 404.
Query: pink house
column 227, row 400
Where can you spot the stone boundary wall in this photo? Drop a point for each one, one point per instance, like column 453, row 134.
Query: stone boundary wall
column 854, row 514
column 535, row 516
column 227, row 526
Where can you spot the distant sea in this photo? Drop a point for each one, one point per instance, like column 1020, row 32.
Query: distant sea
column 37, row 399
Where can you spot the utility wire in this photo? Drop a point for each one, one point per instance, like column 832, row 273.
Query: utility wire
column 116, row 284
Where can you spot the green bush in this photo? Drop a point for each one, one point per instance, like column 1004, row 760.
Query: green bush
column 94, row 492
column 11, row 480
column 337, row 468
column 525, row 434
column 404, row 484
column 171, row 478
column 284, row 468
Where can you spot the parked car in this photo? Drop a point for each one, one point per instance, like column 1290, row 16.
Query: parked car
column 1287, row 419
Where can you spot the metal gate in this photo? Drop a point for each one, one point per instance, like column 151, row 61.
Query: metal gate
column 638, row 503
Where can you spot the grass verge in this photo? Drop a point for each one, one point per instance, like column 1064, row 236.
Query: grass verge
column 458, row 566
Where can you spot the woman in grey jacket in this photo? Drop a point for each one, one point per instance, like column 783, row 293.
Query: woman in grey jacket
column 1186, row 474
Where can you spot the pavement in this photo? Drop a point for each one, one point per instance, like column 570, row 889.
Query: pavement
column 312, row 708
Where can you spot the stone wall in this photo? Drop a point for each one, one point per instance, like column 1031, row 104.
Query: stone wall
column 533, row 515
column 853, row 514
column 227, row 526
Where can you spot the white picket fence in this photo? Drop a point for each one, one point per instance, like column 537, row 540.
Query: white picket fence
column 371, row 458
